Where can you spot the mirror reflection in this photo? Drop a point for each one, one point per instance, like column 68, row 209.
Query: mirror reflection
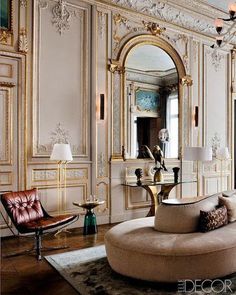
column 152, row 102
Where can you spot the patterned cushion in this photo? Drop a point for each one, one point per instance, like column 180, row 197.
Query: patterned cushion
column 230, row 203
column 213, row 219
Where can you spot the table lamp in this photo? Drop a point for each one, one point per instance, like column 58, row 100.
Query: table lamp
column 198, row 154
column 222, row 154
column 61, row 153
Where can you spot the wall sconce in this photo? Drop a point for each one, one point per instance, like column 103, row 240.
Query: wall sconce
column 196, row 116
column 102, row 107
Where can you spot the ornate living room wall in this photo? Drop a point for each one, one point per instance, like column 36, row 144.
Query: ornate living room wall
column 59, row 58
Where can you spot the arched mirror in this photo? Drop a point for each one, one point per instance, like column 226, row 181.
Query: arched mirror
column 151, row 102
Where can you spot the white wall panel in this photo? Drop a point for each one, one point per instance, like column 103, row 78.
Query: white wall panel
column 61, row 92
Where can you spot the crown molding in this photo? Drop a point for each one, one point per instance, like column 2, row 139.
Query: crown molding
column 194, row 15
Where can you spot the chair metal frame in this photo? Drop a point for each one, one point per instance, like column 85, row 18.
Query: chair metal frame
column 38, row 233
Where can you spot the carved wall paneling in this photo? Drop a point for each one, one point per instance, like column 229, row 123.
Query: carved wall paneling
column 12, row 136
column 216, row 100
column 196, row 69
column 23, row 44
column 102, row 193
column 73, row 94
column 74, row 193
column 6, row 116
column 102, row 48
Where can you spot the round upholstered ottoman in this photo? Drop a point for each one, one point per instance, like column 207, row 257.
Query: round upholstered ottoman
column 135, row 249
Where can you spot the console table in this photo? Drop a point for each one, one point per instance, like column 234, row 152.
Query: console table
column 152, row 189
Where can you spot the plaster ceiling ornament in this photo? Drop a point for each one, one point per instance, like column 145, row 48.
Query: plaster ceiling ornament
column 23, row 41
column 61, row 16
column 170, row 13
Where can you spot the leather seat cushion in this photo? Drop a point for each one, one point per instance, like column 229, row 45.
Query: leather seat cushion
column 46, row 223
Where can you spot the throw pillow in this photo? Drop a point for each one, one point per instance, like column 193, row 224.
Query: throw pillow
column 213, row 219
column 230, row 203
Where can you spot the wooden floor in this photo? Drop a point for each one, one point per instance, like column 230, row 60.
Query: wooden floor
column 25, row 275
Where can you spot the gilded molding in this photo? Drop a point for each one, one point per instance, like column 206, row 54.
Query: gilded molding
column 23, row 41
column 4, row 36
column 154, row 28
column 186, row 81
column 7, row 84
column 6, row 141
column 23, row 3
column 115, row 66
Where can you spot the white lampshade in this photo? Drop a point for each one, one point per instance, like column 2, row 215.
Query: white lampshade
column 61, row 152
column 198, row 153
column 222, row 153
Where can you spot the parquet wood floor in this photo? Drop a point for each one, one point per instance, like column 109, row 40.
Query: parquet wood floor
column 23, row 275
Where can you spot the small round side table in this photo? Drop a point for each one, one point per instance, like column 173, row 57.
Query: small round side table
column 90, row 222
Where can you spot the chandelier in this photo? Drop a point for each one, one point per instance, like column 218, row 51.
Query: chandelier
column 229, row 34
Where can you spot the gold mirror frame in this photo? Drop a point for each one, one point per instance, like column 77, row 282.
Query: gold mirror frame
column 119, row 66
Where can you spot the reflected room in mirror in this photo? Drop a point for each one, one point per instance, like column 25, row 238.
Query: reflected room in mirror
column 152, row 103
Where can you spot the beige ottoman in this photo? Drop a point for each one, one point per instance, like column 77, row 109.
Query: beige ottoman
column 136, row 250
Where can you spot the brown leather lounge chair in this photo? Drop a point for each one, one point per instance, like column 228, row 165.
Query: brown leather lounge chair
column 28, row 216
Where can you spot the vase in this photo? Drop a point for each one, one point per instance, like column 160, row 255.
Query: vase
column 158, row 176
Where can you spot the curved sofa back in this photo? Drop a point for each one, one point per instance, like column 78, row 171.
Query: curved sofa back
column 183, row 218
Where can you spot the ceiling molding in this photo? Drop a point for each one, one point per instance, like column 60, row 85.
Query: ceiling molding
column 194, row 15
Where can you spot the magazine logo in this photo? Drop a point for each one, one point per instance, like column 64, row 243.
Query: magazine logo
column 207, row 286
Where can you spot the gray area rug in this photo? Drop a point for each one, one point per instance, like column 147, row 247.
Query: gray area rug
column 88, row 271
